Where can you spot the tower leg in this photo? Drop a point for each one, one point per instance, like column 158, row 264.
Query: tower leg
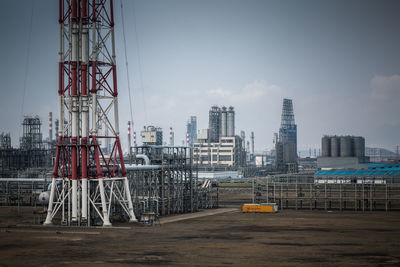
column 132, row 217
column 51, row 199
column 106, row 219
column 84, row 199
column 74, row 200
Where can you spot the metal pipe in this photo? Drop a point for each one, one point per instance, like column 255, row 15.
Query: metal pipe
column 142, row 167
column 144, row 157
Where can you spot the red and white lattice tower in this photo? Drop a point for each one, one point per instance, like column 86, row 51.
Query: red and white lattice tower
column 134, row 139
column 86, row 185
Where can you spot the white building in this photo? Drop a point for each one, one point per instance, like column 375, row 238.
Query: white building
column 227, row 152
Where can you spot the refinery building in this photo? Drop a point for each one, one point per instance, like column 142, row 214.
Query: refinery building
column 218, row 145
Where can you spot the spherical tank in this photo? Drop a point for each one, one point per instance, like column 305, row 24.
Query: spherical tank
column 44, row 197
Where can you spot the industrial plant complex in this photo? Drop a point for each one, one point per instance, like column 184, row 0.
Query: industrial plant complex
column 206, row 195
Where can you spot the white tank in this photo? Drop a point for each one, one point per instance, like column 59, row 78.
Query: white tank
column 44, row 197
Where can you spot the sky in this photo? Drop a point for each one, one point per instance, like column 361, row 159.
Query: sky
column 338, row 60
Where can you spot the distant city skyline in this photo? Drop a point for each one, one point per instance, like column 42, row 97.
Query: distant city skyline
column 337, row 60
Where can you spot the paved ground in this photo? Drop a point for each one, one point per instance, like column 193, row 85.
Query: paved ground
column 202, row 213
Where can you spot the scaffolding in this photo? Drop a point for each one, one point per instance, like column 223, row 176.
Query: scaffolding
column 5, row 141
column 33, row 156
column 31, row 134
column 170, row 184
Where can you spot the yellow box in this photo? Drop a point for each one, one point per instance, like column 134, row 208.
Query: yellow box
column 262, row 208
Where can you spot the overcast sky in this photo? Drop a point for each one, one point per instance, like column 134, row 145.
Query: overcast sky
column 338, row 60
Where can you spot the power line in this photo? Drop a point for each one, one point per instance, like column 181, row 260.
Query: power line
column 28, row 50
column 139, row 61
column 126, row 61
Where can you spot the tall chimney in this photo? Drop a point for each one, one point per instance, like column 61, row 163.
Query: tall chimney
column 252, row 143
column 129, row 138
column 171, row 137
column 50, row 126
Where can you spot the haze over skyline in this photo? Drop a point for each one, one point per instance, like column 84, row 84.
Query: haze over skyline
column 337, row 60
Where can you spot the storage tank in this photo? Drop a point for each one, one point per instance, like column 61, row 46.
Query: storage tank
column 345, row 146
column 223, row 122
column 335, row 146
column 230, row 122
column 326, row 146
column 359, row 147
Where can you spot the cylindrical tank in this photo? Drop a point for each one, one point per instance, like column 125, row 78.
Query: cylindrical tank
column 359, row 147
column 231, row 122
column 345, row 146
column 335, row 146
column 326, row 146
column 223, row 122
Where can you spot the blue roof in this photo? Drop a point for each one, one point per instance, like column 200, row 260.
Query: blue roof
column 379, row 170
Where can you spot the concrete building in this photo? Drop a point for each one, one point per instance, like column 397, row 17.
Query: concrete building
column 152, row 136
column 227, row 152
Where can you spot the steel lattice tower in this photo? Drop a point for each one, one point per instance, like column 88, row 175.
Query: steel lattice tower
column 287, row 117
column 288, row 132
column 86, row 184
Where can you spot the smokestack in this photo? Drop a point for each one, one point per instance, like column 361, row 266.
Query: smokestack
column 134, row 139
column 252, row 143
column 171, row 137
column 56, row 125
column 129, row 138
column 50, row 126
column 187, row 138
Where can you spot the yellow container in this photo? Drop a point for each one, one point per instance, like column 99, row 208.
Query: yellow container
column 262, row 208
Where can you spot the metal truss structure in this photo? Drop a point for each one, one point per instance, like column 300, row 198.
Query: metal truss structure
column 86, row 183
column 169, row 185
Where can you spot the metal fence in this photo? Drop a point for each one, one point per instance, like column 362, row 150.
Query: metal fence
column 362, row 195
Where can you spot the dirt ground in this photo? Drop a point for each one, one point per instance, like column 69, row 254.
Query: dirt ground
column 287, row 238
